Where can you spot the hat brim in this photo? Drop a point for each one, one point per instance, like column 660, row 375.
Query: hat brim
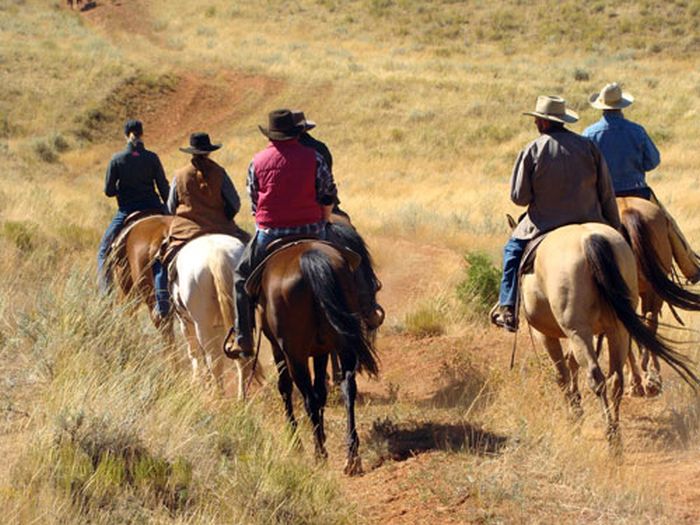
column 309, row 124
column 281, row 135
column 567, row 118
column 625, row 100
column 197, row 151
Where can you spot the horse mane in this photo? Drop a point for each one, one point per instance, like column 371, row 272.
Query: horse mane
column 318, row 273
column 613, row 289
column 637, row 233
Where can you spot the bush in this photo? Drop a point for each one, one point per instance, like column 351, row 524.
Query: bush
column 426, row 321
column 479, row 289
column 21, row 233
column 44, row 151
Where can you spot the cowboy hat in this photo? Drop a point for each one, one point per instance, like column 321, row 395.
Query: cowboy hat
column 554, row 109
column 200, row 144
column 282, row 126
column 611, row 97
column 300, row 120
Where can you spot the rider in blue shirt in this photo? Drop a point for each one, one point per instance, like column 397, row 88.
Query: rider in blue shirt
column 630, row 153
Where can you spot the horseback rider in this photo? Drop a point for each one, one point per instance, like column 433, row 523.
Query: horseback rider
column 630, row 153
column 202, row 198
column 562, row 178
column 131, row 177
column 292, row 192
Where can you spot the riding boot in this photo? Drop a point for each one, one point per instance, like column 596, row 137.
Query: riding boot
column 243, row 343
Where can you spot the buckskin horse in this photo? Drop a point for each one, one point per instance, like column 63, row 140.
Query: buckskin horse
column 131, row 263
column 310, row 307
column 655, row 246
column 584, row 283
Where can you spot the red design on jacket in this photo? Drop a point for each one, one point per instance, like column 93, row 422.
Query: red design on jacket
column 285, row 173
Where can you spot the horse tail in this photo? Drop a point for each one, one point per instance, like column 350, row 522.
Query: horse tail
column 637, row 233
column 222, row 275
column 346, row 235
column 615, row 292
column 318, row 273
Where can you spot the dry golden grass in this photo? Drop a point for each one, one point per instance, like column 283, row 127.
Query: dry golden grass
column 420, row 104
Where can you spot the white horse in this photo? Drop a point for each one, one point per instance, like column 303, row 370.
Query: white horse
column 204, row 302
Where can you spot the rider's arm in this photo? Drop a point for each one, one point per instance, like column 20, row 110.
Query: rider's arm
column 606, row 194
column 251, row 184
column 232, row 202
column 521, row 180
column 651, row 156
column 161, row 180
column 173, row 200
column 325, row 186
column 111, row 178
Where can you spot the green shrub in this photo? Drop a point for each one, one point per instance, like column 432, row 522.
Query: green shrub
column 425, row 321
column 479, row 289
column 21, row 233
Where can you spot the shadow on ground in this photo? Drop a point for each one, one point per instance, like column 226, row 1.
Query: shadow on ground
column 400, row 441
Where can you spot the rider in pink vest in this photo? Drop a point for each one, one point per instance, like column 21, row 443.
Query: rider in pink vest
column 292, row 192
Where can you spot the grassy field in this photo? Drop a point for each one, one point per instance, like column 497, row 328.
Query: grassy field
column 420, row 103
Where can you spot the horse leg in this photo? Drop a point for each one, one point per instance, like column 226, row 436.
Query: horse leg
column 650, row 363
column 636, row 388
column 584, row 353
column 618, row 347
column 564, row 376
column 348, row 363
column 193, row 349
column 284, row 382
column 302, row 379
column 320, row 390
column 336, row 373
column 211, row 341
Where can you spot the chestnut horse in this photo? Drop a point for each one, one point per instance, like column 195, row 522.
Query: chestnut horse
column 131, row 263
column 655, row 246
column 584, row 283
column 310, row 307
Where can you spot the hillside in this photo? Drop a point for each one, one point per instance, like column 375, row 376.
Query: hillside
column 421, row 104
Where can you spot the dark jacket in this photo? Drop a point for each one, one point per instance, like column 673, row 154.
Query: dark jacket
column 310, row 142
column 131, row 177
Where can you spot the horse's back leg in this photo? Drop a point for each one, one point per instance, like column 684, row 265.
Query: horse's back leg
column 650, row 363
column 585, row 354
column 194, row 352
column 320, row 390
column 302, row 379
column 284, row 381
column 618, row 348
column 565, row 379
column 348, row 364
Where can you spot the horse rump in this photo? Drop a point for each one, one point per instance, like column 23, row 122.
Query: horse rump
column 319, row 274
column 638, row 235
column 615, row 292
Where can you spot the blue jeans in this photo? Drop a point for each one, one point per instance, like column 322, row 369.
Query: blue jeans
column 160, row 278
column 104, row 280
column 512, row 254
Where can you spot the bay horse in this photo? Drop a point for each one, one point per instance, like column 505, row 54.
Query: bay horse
column 310, row 307
column 655, row 246
column 584, row 283
column 131, row 263
column 202, row 294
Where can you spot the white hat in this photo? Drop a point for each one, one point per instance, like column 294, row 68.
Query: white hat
column 611, row 97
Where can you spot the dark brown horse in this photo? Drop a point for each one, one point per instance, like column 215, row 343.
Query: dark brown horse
column 310, row 308
column 131, row 263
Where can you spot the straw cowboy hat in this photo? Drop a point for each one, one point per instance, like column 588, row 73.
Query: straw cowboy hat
column 300, row 120
column 281, row 126
column 554, row 109
column 200, row 144
column 611, row 97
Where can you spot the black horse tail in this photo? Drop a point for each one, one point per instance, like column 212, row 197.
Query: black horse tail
column 345, row 235
column 612, row 287
column 319, row 275
column 639, row 237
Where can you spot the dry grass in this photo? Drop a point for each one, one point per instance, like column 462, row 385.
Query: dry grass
column 421, row 108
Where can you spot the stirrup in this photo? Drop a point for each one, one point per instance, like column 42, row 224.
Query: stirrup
column 504, row 317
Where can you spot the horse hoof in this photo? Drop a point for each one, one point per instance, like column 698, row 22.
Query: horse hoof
column 637, row 390
column 353, row 467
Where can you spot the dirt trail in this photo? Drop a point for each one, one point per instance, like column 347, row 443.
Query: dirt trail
column 386, row 494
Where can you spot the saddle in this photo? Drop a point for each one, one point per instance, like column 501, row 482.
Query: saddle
column 254, row 281
column 117, row 244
